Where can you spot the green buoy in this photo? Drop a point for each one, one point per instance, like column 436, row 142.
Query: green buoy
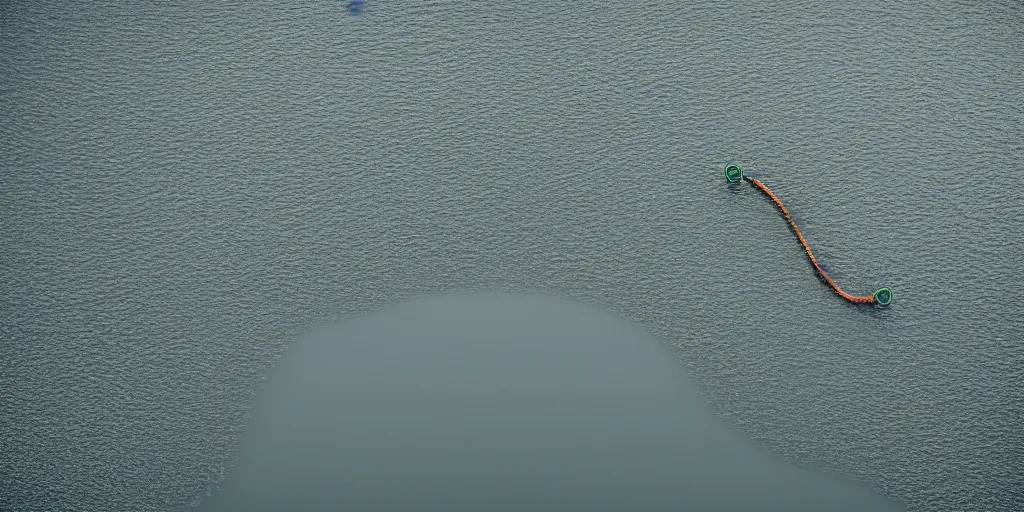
column 882, row 297
column 733, row 173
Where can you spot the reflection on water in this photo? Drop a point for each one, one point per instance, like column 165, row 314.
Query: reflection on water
column 503, row 402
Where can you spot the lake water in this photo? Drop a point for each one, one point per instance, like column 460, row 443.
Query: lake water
column 185, row 190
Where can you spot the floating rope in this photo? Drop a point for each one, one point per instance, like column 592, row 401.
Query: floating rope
column 882, row 296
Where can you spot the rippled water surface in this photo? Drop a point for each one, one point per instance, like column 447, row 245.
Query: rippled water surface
column 186, row 189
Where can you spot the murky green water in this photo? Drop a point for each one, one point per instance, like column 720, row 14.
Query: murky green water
column 186, row 189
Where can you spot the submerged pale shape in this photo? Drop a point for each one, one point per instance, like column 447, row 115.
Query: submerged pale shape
column 503, row 402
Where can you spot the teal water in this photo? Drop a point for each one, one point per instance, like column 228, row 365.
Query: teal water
column 186, row 189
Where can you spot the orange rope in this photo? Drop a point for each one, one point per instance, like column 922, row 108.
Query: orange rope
column 865, row 299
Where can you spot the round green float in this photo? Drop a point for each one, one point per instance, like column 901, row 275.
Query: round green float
column 882, row 297
column 733, row 173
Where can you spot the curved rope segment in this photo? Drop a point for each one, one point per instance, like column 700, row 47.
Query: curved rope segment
column 882, row 296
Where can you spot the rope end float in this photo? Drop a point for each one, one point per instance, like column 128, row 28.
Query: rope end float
column 882, row 296
column 733, row 173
